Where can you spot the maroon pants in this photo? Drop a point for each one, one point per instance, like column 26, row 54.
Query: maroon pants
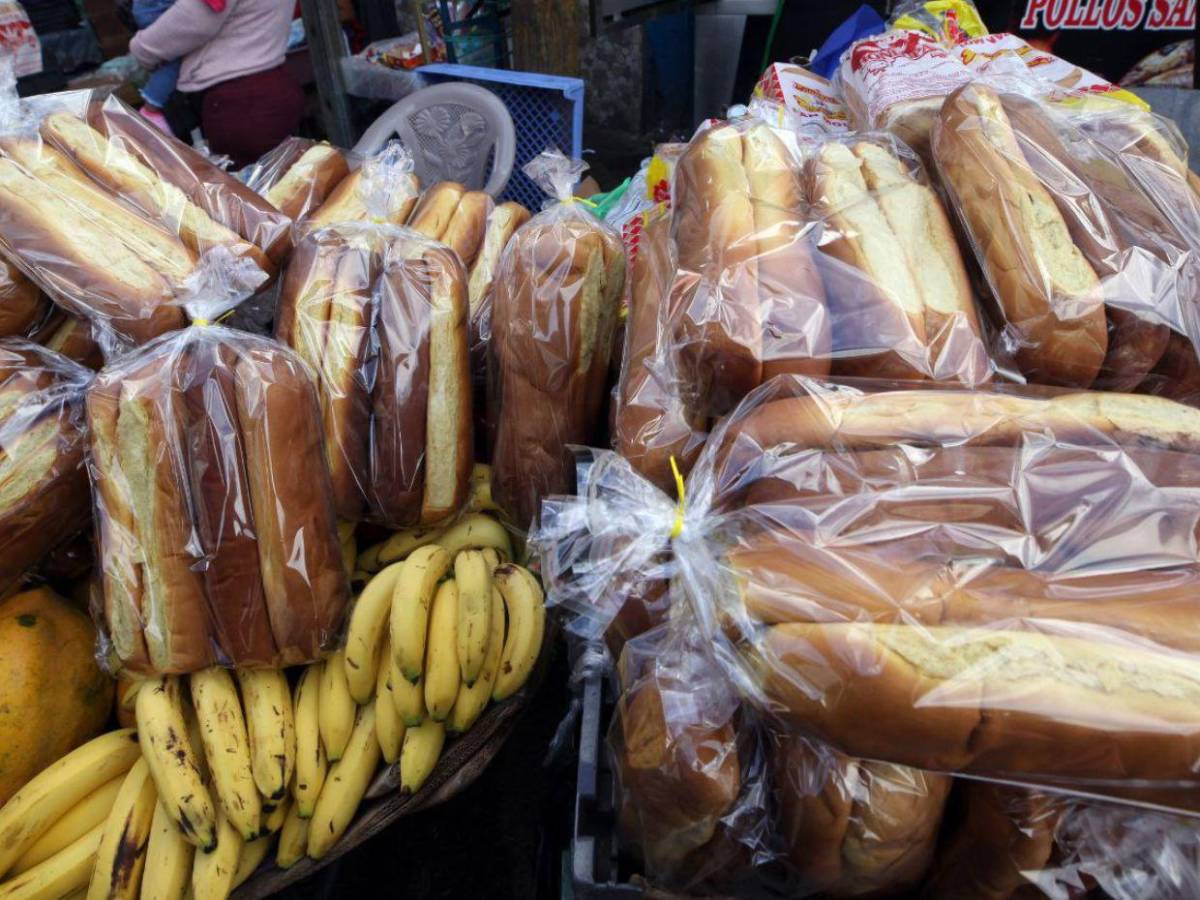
column 245, row 117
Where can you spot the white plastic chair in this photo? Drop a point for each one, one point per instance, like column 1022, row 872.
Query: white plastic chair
column 451, row 130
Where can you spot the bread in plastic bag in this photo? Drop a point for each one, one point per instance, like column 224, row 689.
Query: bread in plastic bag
column 380, row 314
column 110, row 217
column 795, row 249
column 852, row 827
column 555, row 305
column 995, row 583
column 382, row 189
column 24, row 309
column 43, row 482
column 690, row 772
column 297, row 175
column 213, row 505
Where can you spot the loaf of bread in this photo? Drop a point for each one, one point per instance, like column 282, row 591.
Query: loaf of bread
column 23, row 307
column 1049, row 296
column 421, row 427
column 116, row 169
column 225, row 199
column 556, row 302
column 1005, row 839
column 111, row 264
column 72, row 337
column 217, row 537
column 653, row 421
column 308, row 181
column 679, row 772
column 990, row 701
column 348, row 201
column 438, row 205
column 502, row 223
column 464, row 233
column 43, row 482
column 853, row 827
column 380, row 315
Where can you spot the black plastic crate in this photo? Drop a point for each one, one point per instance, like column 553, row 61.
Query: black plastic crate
column 599, row 869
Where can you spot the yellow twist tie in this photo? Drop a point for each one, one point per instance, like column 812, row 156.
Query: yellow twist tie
column 200, row 323
column 681, row 503
column 204, row 323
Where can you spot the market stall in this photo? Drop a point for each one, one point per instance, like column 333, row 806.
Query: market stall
column 840, row 462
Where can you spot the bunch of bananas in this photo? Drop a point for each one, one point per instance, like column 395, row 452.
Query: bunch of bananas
column 226, row 762
column 94, row 825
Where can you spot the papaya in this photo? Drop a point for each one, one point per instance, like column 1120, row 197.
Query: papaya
column 53, row 694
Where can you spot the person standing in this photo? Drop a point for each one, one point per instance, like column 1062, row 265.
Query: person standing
column 232, row 70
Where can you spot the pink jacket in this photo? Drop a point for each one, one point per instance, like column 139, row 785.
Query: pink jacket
column 216, row 44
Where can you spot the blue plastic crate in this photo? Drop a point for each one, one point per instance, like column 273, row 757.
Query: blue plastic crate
column 547, row 110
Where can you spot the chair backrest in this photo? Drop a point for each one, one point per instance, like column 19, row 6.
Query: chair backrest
column 451, row 130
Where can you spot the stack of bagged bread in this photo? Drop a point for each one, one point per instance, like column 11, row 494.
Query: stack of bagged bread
column 787, row 253
column 110, row 217
column 217, row 540
column 712, row 802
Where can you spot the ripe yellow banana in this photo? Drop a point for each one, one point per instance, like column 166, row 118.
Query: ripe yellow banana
column 408, row 697
column 274, row 816
column 388, row 727
column 403, row 543
column 441, row 652
column 335, row 709
column 411, row 600
column 368, row 560
column 253, row 853
column 526, row 626
column 477, row 531
column 272, row 728
column 212, row 873
column 471, row 700
column 168, row 859
column 91, row 811
column 122, row 851
column 55, row 790
column 492, row 558
column 422, row 747
column 65, row 873
column 481, row 489
column 474, row 580
column 129, row 698
column 368, row 627
column 293, row 839
column 163, row 733
column 227, row 747
column 349, row 546
column 345, row 786
column 310, row 752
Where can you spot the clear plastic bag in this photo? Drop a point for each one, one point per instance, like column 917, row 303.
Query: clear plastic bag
column 1010, row 842
column 298, row 175
column 43, row 481
column 24, row 309
column 1087, row 238
column 382, row 189
column 850, row 827
column 380, row 314
column 217, row 537
column 995, row 583
column 556, row 301
column 791, row 252
column 110, row 217
column 691, row 773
